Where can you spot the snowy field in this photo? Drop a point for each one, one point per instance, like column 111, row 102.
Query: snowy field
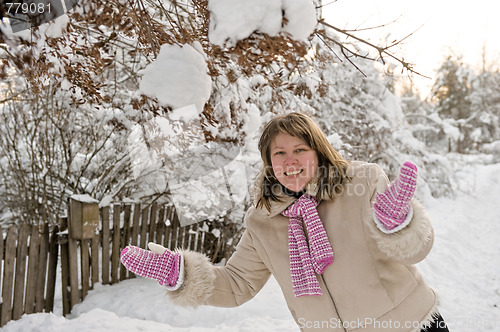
column 464, row 266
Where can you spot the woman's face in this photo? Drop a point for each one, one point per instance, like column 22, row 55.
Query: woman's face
column 294, row 162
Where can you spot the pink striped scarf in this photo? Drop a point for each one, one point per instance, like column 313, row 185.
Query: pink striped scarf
column 306, row 259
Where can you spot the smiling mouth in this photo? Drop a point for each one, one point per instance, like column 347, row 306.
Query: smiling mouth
column 294, row 173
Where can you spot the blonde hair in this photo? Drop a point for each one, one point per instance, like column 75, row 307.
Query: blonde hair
column 332, row 166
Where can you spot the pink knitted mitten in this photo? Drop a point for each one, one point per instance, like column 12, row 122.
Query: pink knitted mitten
column 392, row 206
column 164, row 268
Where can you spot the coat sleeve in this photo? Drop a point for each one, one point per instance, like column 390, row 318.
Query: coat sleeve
column 410, row 244
column 242, row 277
column 231, row 285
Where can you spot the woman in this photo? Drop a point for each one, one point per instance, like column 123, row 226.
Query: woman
column 339, row 240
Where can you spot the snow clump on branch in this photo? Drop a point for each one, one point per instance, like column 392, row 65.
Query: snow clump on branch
column 178, row 77
column 234, row 20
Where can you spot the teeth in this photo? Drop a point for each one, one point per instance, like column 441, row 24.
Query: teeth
column 293, row 173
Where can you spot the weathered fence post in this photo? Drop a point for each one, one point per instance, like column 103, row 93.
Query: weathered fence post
column 83, row 220
column 83, row 224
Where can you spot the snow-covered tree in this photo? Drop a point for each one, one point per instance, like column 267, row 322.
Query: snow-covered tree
column 484, row 101
column 125, row 89
column 468, row 102
column 451, row 89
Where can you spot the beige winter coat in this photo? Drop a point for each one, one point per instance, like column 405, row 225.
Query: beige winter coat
column 372, row 284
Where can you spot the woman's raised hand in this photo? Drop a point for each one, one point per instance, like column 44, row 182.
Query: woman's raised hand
column 393, row 205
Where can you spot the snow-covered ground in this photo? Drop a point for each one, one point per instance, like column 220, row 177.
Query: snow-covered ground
column 464, row 266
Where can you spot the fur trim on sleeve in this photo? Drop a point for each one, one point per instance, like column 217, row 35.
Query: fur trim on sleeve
column 199, row 280
column 411, row 244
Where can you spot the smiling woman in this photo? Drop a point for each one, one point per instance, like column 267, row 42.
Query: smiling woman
column 340, row 254
column 293, row 143
column 293, row 161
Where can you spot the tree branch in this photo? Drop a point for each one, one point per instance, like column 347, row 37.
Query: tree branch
column 383, row 51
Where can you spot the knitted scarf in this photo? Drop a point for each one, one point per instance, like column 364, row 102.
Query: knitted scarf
column 306, row 259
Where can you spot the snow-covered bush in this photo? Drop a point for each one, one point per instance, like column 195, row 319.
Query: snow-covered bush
column 117, row 82
column 469, row 105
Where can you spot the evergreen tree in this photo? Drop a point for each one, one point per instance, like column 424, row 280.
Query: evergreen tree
column 451, row 89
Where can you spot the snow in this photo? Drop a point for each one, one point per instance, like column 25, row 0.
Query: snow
column 178, row 77
column 252, row 121
column 84, row 198
column 186, row 114
column 106, row 201
column 234, row 20
column 213, row 190
column 336, row 141
column 465, row 261
column 301, row 16
column 463, row 266
column 391, row 108
column 54, row 28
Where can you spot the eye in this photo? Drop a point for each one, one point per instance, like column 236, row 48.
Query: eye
column 279, row 153
column 300, row 150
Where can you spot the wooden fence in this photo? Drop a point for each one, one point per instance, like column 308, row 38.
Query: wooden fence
column 89, row 241
column 87, row 260
column 28, row 256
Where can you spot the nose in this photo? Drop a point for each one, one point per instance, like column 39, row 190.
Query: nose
column 290, row 160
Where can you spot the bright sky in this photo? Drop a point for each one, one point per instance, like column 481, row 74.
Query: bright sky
column 449, row 27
